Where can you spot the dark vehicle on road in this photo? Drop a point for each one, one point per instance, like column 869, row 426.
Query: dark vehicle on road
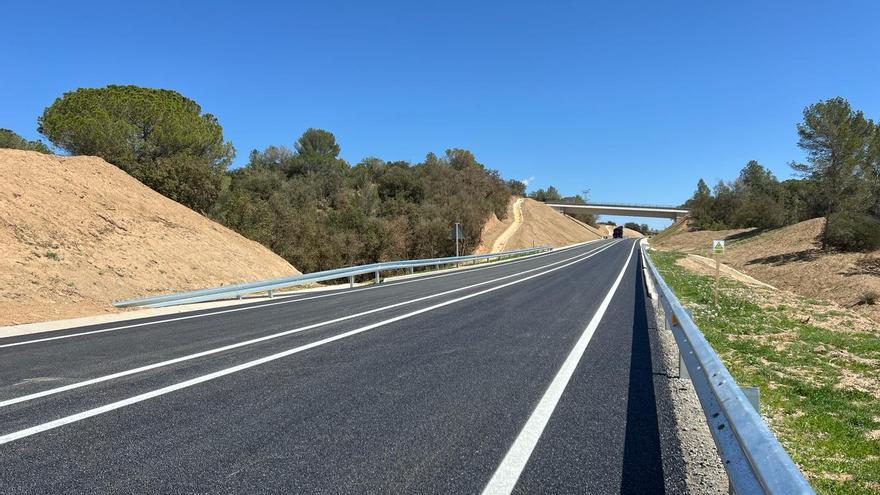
column 618, row 232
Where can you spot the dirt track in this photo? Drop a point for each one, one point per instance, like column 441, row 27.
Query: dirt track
column 505, row 236
column 790, row 258
column 539, row 225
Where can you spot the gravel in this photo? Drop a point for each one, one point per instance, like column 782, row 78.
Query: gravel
column 690, row 461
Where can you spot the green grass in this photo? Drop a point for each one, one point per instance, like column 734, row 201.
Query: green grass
column 825, row 426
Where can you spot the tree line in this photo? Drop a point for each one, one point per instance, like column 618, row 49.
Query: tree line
column 304, row 202
column 552, row 195
column 840, row 181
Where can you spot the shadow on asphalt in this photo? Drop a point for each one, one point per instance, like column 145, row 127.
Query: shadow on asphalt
column 642, row 459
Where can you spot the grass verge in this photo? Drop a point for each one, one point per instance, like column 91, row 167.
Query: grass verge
column 818, row 368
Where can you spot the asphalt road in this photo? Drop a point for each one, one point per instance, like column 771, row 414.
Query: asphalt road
column 531, row 376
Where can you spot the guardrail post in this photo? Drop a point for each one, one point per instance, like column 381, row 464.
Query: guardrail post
column 412, row 270
column 754, row 459
column 262, row 286
column 754, row 396
column 682, row 367
column 271, row 294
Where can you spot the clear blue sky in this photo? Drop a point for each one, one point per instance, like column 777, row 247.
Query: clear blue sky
column 634, row 100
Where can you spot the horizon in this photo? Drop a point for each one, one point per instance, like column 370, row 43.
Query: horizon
column 577, row 97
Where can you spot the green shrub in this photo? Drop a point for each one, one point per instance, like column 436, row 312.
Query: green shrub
column 9, row 139
column 850, row 231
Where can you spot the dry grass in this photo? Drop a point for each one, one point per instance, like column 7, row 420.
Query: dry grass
column 815, row 362
column 790, row 258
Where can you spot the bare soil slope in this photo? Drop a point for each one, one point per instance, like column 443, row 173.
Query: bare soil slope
column 789, row 258
column 541, row 225
column 609, row 229
column 77, row 233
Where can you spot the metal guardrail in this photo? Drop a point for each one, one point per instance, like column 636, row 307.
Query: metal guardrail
column 269, row 286
column 753, row 458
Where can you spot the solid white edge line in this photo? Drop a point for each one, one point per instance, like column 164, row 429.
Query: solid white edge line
column 141, row 369
column 289, row 299
column 508, row 472
column 250, row 364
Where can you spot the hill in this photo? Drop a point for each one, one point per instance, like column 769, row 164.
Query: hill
column 77, row 233
column 790, row 258
column 532, row 223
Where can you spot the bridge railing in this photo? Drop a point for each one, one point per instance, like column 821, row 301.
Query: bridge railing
column 752, row 456
column 617, row 205
column 271, row 285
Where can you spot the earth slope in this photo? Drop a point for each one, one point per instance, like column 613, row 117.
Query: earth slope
column 77, row 233
column 790, row 258
column 534, row 224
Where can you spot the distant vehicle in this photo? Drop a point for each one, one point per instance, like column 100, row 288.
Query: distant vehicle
column 618, row 232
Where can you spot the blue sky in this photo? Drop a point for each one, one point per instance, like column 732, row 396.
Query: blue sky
column 633, row 100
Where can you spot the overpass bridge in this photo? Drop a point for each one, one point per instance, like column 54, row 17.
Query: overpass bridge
column 629, row 210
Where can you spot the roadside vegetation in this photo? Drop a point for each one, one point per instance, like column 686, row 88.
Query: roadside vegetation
column 11, row 140
column 551, row 194
column 840, row 181
column 815, row 363
column 302, row 201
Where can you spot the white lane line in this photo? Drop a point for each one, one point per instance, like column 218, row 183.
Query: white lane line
column 289, row 300
column 510, row 469
column 141, row 369
column 250, row 364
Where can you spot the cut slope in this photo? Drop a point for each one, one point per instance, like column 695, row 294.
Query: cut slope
column 789, row 258
column 505, row 236
column 541, row 225
column 609, row 231
column 77, row 233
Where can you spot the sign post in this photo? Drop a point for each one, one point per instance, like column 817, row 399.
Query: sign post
column 717, row 251
column 457, row 234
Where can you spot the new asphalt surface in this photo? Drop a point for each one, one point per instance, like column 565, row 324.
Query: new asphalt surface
column 432, row 384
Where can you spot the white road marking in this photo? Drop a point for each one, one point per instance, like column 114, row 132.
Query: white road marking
column 209, row 352
column 250, row 364
column 511, row 467
column 289, row 299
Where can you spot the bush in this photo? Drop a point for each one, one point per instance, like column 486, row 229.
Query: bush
column 850, row 231
column 870, row 298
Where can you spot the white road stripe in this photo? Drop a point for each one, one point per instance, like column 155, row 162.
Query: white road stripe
column 209, row 352
column 250, row 364
column 289, row 299
column 511, row 467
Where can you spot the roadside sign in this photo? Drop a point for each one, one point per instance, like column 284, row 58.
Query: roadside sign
column 457, row 232
column 717, row 250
